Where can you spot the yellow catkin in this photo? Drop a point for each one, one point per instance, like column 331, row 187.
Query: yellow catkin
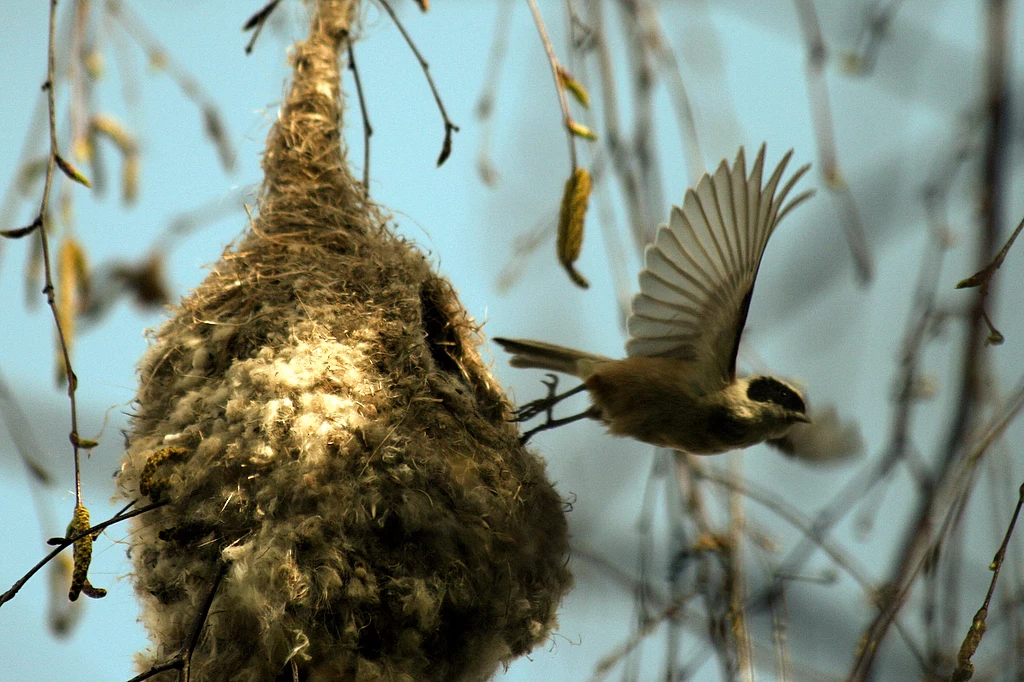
column 61, row 615
column 130, row 178
column 580, row 130
column 573, row 86
column 83, row 557
column 114, row 131
column 93, row 62
column 147, row 486
column 69, row 170
column 570, row 223
column 72, row 282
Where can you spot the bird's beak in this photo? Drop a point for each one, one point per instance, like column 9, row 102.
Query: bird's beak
column 803, row 418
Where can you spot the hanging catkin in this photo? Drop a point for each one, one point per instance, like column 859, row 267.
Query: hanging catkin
column 321, row 424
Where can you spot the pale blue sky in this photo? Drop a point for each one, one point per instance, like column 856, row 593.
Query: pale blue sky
column 809, row 318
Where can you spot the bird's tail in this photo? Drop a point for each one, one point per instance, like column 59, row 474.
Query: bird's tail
column 549, row 356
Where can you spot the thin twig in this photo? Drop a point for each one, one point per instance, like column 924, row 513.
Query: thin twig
column 626, row 651
column 523, row 247
column 174, row 664
column 828, row 159
column 915, row 338
column 688, row 473
column 618, row 264
column 213, row 126
column 367, row 128
column 795, row 518
column 672, row 74
column 182, row 661
column 792, row 516
column 582, row 41
column 919, row 533
column 183, row 224
column 629, row 184
column 21, row 433
column 563, row 102
column 779, row 612
column 995, row 264
column 79, row 84
column 64, row 543
column 952, row 496
column 197, row 625
column 874, row 32
column 256, row 22
column 42, row 222
column 982, row 277
column 644, row 602
column 449, row 127
column 644, row 146
column 965, row 668
column 679, row 539
column 603, row 565
column 962, row 486
column 22, row 182
column 1000, row 477
column 485, row 104
column 737, row 578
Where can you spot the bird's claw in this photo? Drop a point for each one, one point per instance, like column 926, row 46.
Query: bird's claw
column 541, row 405
column 546, row 406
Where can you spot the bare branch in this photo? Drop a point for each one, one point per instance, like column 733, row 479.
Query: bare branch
column 64, row 543
column 555, row 66
column 965, row 668
column 828, row 157
column 485, row 104
column 182, row 661
column 449, row 127
column 256, row 22
column 367, row 128
column 43, row 221
column 189, row 86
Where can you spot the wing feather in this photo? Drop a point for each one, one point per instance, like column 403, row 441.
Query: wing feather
column 717, row 194
column 695, row 256
column 699, row 272
column 716, row 253
column 738, row 195
column 657, row 309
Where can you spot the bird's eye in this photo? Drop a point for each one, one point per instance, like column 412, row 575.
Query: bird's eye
column 770, row 390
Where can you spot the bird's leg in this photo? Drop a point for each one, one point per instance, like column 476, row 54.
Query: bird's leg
column 555, row 423
column 546, row 404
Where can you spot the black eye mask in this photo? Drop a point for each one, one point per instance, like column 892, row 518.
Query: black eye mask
column 769, row 390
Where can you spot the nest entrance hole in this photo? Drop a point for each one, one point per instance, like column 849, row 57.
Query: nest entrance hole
column 439, row 330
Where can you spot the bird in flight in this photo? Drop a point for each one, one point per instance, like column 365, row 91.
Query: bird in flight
column 677, row 388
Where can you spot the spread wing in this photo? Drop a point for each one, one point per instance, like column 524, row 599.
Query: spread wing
column 699, row 272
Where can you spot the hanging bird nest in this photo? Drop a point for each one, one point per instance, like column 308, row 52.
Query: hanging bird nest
column 341, row 476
